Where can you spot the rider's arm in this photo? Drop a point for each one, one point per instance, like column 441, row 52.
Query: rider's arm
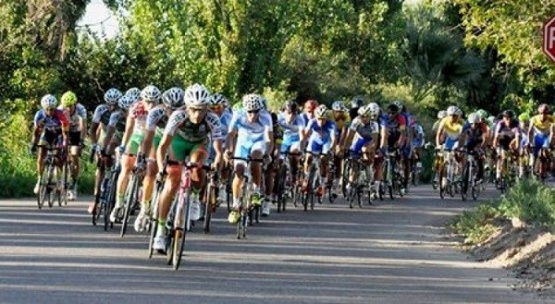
column 82, row 113
column 496, row 135
column 439, row 134
column 96, row 122
column 385, row 134
column 111, row 129
column 129, row 126
column 531, row 133
column 65, row 125
column 37, row 129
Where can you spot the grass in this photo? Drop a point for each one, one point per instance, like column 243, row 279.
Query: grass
column 528, row 200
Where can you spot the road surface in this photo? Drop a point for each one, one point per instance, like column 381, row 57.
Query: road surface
column 392, row 252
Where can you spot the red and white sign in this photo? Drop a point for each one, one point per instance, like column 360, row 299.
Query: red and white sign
column 549, row 38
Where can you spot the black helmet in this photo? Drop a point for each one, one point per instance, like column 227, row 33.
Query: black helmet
column 292, row 107
column 357, row 102
column 509, row 113
column 393, row 108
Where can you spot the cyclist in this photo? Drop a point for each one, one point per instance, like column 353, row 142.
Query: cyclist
column 292, row 124
column 474, row 138
column 270, row 175
column 342, row 120
column 393, row 130
column 250, row 135
column 362, row 136
column 440, row 116
column 77, row 118
column 156, row 122
column 97, row 132
column 50, row 130
column 309, row 108
column 218, row 106
column 187, row 134
column 540, row 132
column 132, row 138
column 506, row 137
column 319, row 137
column 524, row 119
column 450, row 129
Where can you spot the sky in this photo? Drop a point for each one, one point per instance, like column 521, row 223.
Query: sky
column 97, row 12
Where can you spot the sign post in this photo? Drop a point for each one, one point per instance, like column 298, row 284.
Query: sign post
column 549, row 38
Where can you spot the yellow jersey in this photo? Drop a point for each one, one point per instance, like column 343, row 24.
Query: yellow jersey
column 542, row 126
column 342, row 122
column 451, row 128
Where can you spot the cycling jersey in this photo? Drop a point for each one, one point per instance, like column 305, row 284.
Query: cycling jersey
column 51, row 126
column 395, row 125
column 74, row 119
column 418, row 133
column 510, row 129
column 250, row 136
column 320, row 136
column 156, row 120
column 452, row 128
column 139, row 113
column 540, row 126
column 102, row 115
column 188, row 137
column 364, row 133
column 306, row 118
column 474, row 136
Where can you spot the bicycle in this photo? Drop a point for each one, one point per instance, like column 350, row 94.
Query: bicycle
column 178, row 222
column 469, row 176
column 246, row 208
column 210, row 199
column 363, row 180
column 105, row 199
column 393, row 178
column 132, row 198
column 48, row 188
column 283, row 181
column 447, row 175
column 510, row 175
column 314, row 180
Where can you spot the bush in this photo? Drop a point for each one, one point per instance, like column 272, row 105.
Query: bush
column 528, row 200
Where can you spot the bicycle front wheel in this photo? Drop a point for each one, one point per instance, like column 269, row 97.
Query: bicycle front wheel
column 180, row 231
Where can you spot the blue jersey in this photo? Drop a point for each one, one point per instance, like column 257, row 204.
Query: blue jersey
column 322, row 134
column 250, row 131
column 291, row 129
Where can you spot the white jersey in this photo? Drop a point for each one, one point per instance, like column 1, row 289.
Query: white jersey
column 180, row 125
column 362, row 130
column 156, row 118
column 251, row 131
column 74, row 119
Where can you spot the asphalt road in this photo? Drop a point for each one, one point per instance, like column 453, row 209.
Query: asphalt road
column 392, row 252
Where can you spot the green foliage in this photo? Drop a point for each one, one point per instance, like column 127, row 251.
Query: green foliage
column 528, row 200
column 477, row 224
column 513, row 29
column 531, row 202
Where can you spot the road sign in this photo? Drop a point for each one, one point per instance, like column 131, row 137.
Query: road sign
column 549, row 38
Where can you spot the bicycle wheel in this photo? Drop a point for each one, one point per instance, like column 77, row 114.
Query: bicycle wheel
column 465, row 182
column 43, row 188
column 65, row 183
column 280, row 188
column 109, row 201
column 442, row 185
column 179, row 233
column 209, row 204
column 153, row 219
column 51, row 188
column 345, row 177
column 129, row 203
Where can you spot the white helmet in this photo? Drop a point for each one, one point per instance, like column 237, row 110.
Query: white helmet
column 251, row 102
column 374, row 108
column 441, row 114
column 459, row 112
column 125, row 102
column 173, row 98
column 112, row 96
column 197, row 95
column 218, row 99
column 321, row 111
column 151, row 94
column 364, row 111
column 338, row 106
column 452, row 110
column 135, row 92
column 473, row 118
column 48, row 101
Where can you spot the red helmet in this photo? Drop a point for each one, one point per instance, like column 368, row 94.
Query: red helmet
column 310, row 105
column 543, row 108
